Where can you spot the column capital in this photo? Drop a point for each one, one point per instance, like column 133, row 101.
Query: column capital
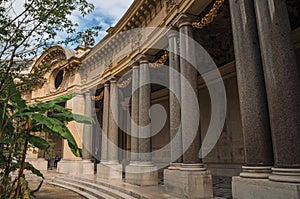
column 184, row 19
column 135, row 64
column 79, row 92
column 113, row 81
column 144, row 59
column 173, row 32
column 87, row 93
column 135, row 67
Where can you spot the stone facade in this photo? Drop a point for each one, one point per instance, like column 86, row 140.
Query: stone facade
column 150, row 130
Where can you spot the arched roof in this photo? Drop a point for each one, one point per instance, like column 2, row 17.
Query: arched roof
column 54, row 54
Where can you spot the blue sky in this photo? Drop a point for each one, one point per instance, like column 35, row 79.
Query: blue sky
column 106, row 14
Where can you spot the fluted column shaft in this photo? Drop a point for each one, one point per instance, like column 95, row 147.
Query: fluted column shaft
column 188, row 106
column 282, row 82
column 106, row 105
column 113, row 123
column 135, row 114
column 144, row 118
column 175, row 95
column 252, row 93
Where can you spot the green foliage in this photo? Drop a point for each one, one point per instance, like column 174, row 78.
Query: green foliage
column 37, row 142
column 20, row 123
column 25, row 32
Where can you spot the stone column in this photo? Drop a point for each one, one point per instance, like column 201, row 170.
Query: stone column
column 128, row 130
column 135, row 115
column 87, row 129
column 144, row 117
column 175, row 96
column 110, row 168
column 252, row 93
column 282, row 82
column 188, row 107
column 105, row 123
column 113, row 124
column 87, row 137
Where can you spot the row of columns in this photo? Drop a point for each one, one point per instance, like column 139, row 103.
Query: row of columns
column 140, row 105
column 268, row 82
column 140, row 123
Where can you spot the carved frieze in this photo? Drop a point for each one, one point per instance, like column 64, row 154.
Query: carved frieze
column 170, row 4
column 135, row 38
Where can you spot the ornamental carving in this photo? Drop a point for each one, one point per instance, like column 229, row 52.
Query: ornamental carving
column 170, row 4
column 135, row 39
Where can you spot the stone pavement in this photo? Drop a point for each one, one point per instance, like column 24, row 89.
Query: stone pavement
column 48, row 191
column 222, row 186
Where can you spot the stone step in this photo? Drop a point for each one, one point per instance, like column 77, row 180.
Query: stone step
column 129, row 193
column 82, row 193
column 115, row 192
column 82, row 189
column 147, row 192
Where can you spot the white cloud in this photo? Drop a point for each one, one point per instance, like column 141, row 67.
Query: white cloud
column 106, row 14
column 113, row 9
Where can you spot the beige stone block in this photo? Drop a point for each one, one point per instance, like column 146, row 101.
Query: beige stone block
column 109, row 171
column 189, row 184
column 40, row 163
column 249, row 188
column 75, row 167
column 142, row 175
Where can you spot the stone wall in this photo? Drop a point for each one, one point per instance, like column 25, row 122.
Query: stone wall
column 229, row 148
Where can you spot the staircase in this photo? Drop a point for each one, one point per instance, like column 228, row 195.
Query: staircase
column 91, row 187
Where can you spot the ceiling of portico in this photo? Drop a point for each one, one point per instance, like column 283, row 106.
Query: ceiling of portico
column 217, row 38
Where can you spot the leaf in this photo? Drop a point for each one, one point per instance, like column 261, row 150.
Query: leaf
column 31, row 168
column 72, row 117
column 25, row 189
column 6, row 141
column 38, row 142
column 55, row 126
column 42, row 107
column 3, row 159
column 62, row 99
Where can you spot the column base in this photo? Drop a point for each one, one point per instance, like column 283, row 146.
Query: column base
column 285, row 175
column 246, row 188
column 256, row 172
column 174, row 166
column 142, row 174
column 85, row 167
column 189, row 183
column 109, row 170
column 192, row 167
